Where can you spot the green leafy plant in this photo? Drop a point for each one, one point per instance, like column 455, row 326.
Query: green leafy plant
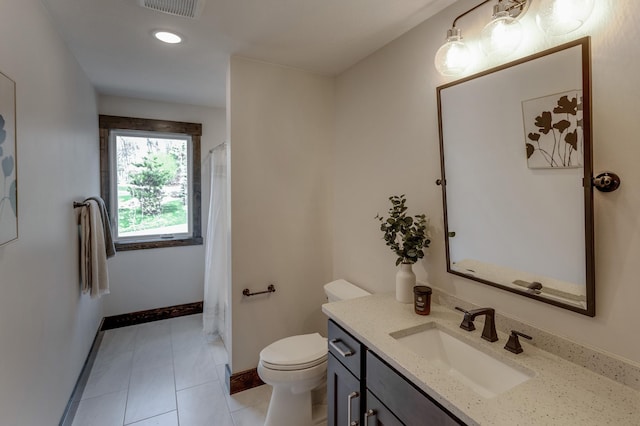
column 148, row 181
column 406, row 236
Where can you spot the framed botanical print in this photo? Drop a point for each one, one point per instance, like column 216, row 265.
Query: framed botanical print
column 8, row 163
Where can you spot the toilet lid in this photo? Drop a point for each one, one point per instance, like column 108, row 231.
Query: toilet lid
column 295, row 352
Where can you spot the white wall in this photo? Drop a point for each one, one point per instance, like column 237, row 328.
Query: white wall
column 46, row 326
column 387, row 143
column 281, row 134
column 147, row 279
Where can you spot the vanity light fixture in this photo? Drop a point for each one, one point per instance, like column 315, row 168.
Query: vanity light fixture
column 499, row 38
column 502, row 36
column 167, row 37
column 558, row 17
column 453, row 57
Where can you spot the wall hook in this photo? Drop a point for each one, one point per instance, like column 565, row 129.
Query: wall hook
column 606, row 182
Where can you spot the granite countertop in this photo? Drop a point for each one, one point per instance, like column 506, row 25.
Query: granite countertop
column 560, row 393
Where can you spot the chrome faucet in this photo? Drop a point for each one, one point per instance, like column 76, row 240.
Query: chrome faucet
column 489, row 330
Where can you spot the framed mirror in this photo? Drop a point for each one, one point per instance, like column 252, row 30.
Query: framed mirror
column 515, row 144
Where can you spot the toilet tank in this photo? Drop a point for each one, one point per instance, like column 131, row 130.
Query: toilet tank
column 342, row 290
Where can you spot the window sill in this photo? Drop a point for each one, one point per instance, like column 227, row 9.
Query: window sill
column 144, row 245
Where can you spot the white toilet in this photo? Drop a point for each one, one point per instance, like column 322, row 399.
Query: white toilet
column 296, row 366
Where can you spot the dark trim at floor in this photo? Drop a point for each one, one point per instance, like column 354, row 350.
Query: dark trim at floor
column 238, row 382
column 76, row 395
column 150, row 315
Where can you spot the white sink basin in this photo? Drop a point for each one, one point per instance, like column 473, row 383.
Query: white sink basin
column 481, row 372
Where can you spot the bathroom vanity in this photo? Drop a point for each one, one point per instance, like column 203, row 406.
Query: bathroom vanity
column 381, row 372
column 362, row 388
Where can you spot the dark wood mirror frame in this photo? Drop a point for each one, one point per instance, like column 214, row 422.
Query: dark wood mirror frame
column 589, row 256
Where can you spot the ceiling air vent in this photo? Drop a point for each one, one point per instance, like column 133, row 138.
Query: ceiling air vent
column 185, row 8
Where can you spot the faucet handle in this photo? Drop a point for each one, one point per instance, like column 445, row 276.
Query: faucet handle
column 458, row 308
column 467, row 320
column 513, row 345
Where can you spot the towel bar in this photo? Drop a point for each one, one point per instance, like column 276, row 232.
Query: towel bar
column 77, row 204
column 270, row 289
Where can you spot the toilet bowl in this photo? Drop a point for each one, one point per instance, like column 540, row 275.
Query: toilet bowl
column 296, row 366
column 293, row 366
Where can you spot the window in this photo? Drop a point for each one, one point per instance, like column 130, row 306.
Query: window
column 150, row 181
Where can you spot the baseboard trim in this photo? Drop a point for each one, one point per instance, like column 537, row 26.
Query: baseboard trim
column 140, row 317
column 76, row 395
column 244, row 380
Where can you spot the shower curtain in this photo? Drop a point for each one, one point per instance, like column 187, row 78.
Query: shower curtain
column 217, row 271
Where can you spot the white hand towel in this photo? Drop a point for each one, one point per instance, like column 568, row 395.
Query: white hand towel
column 93, row 257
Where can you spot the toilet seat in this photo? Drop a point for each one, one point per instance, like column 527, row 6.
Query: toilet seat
column 294, row 367
column 295, row 353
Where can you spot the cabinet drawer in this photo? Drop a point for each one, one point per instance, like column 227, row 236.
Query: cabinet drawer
column 408, row 403
column 376, row 414
column 345, row 348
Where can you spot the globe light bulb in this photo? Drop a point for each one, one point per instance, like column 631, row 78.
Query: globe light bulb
column 454, row 56
column 502, row 36
column 558, row 17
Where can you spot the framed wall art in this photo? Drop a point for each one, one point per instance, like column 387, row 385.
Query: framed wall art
column 553, row 130
column 8, row 163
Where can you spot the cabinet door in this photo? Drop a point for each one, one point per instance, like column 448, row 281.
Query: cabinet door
column 343, row 395
column 408, row 403
column 376, row 414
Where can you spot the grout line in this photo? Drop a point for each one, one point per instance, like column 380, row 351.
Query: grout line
column 151, row 417
column 173, row 363
column 197, row 385
column 104, row 394
column 133, row 355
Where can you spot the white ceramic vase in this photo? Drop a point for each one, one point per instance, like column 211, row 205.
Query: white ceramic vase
column 405, row 281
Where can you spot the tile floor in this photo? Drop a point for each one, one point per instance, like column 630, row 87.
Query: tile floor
column 164, row 373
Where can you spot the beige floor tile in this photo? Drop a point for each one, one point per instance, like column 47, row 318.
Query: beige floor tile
column 249, row 398
column 165, row 373
column 203, row 405
column 116, row 341
column 194, row 367
column 105, row 410
column 151, row 392
column 108, row 377
column 251, row 416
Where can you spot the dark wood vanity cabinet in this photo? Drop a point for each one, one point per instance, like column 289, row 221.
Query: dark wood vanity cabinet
column 402, row 398
column 344, row 393
column 364, row 390
column 344, row 386
column 376, row 413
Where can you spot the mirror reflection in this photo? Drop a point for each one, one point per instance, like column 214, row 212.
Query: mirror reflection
column 516, row 148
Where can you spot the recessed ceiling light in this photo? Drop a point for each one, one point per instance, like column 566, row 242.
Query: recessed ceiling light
column 167, row 37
